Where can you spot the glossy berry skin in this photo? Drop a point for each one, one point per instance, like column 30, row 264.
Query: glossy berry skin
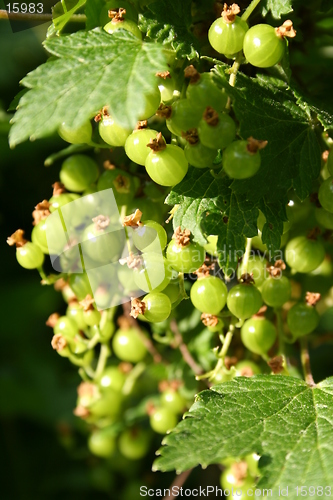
column 75, row 312
column 238, row 162
column 257, row 266
column 302, row 319
column 167, row 167
column 231, row 483
column 173, row 401
column 30, row 256
column 120, row 182
column 102, row 443
column 217, row 136
column 258, row 335
column 185, row 259
column 244, row 301
column 209, row 295
column 112, row 378
column 112, row 133
column 276, row 291
column 66, row 326
column 136, row 145
column 162, row 420
column 128, row 345
column 78, row 172
column 204, row 93
column 325, row 194
column 102, row 246
column 324, row 218
column 92, row 317
column 200, row 156
column 172, row 291
column 154, row 274
column 150, row 237
column 158, row 307
column 304, row 255
column 127, row 25
column 134, row 443
column 59, row 201
column 262, row 47
column 227, row 38
column 184, row 116
column 38, row 236
column 81, row 135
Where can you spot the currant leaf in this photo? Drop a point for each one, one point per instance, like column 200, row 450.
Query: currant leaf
column 91, row 70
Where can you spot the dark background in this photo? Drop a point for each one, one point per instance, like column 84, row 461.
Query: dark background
column 43, row 446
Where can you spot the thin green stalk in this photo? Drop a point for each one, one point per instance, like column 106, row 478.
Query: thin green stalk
column 132, row 377
column 279, row 325
column 250, row 9
column 94, row 341
column 246, row 255
column 103, row 356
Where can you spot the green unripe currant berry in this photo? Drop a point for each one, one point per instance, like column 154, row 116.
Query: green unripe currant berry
column 226, row 34
column 258, row 335
column 303, row 254
column 128, row 345
column 78, row 172
column 102, row 443
column 29, row 256
column 302, row 319
column 126, row 24
column 263, row 46
column 325, row 194
column 134, row 443
column 244, row 300
column 162, row 420
column 80, row 135
column 276, row 291
column 209, row 294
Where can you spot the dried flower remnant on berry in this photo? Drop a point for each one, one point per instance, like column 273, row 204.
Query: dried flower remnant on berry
column 276, row 364
column 137, row 307
column 204, row 270
column 133, row 220
column 117, row 15
column 41, row 212
column 182, row 236
column 276, row 270
column 191, row 136
column 209, row 319
column 254, row 145
column 312, row 298
column 229, row 13
column 58, row 342
column 164, row 111
column 192, row 73
column 81, row 412
column 58, row 189
column 157, row 144
column 87, row 303
column 247, row 279
column 211, row 116
column 286, row 30
column 124, row 323
column 17, row 239
column 52, row 320
column 142, row 124
column 132, row 261
column 101, row 222
column 163, row 74
column 86, row 389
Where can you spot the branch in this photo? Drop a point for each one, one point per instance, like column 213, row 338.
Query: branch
column 179, row 342
column 27, row 16
column 178, row 481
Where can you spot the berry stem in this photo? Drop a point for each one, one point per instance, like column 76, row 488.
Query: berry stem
column 305, row 360
column 103, row 356
column 132, row 377
column 246, row 257
column 89, row 371
column 182, row 292
column 250, row 9
column 179, row 342
column 94, row 341
column 177, row 482
column 279, row 325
